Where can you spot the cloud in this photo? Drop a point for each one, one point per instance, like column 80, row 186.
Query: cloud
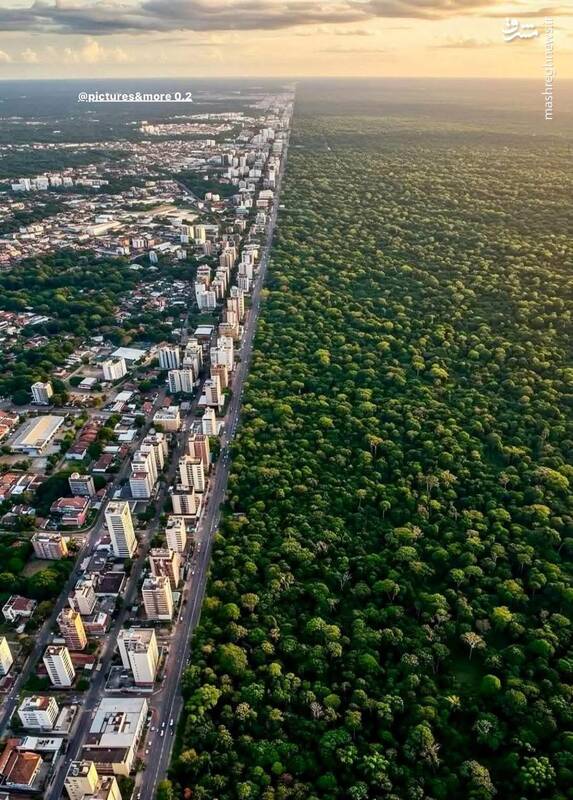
column 29, row 56
column 92, row 52
column 358, row 32
column 97, row 17
column 4, row 57
column 560, row 11
column 464, row 44
column 353, row 50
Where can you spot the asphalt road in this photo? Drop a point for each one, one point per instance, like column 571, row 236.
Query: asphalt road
column 50, row 625
column 168, row 703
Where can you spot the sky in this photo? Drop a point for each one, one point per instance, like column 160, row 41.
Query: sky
column 268, row 38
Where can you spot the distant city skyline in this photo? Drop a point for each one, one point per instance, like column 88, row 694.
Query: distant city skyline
column 268, row 38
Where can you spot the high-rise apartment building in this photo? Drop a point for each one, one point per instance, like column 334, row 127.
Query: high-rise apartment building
column 38, row 712
column 169, row 357
column 221, row 373
column 157, row 598
column 59, row 666
column 120, row 526
column 42, row 392
column 213, row 393
column 83, row 598
column 72, row 629
column 6, row 657
column 192, row 473
column 81, row 485
column 176, row 533
column 198, row 447
column 139, row 653
column 82, row 779
column 209, row 422
column 141, row 485
column 51, row 546
column 114, row 369
column 181, row 381
column 165, row 562
column 186, row 502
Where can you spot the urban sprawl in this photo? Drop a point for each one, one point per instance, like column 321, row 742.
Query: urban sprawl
column 116, row 463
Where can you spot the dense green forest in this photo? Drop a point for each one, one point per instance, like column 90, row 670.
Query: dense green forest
column 389, row 609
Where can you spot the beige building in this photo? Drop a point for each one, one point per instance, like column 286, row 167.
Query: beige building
column 72, row 629
column 83, row 782
column 198, row 447
column 192, row 473
column 213, row 394
column 157, row 598
column 165, row 562
column 6, row 657
column 169, row 418
column 186, row 502
column 49, row 546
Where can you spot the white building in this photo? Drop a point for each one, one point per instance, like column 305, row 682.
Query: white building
column 176, row 533
column 157, row 598
column 114, row 369
column 139, row 653
column 59, row 665
column 42, row 392
column 169, row 357
column 209, row 422
column 223, row 352
column 141, row 485
column 206, row 298
column 181, row 380
column 120, row 526
column 144, row 460
column 6, row 657
column 39, row 712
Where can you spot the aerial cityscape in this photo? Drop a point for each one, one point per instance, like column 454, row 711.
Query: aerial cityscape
column 286, row 401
